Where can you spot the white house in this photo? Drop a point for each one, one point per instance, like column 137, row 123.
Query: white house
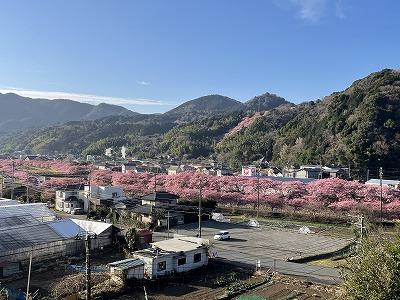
column 68, row 199
column 177, row 255
column 249, row 171
column 101, row 195
column 108, row 152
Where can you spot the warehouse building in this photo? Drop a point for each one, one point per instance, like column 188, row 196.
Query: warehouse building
column 27, row 229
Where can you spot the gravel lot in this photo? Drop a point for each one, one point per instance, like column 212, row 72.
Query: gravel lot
column 272, row 246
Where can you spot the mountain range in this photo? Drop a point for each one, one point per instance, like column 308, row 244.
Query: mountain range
column 359, row 126
column 24, row 112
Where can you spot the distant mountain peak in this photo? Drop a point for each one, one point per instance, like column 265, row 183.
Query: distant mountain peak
column 265, row 102
column 203, row 107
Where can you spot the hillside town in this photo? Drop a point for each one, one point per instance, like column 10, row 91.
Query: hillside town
column 136, row 222
column 199, row 150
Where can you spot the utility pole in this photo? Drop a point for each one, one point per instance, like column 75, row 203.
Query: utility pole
column 27, row 194
column 258, row 195
column 12, row 180
column 258, row 186
column 381, row 198
column 168, row 224
column 87, row 237
column 349, row 171
column 367, row 174
column 89, row 194
column 88, row 288
column 362, row 227
column 200, row 212
column 155, row 182
column 1, row 186
column 29, row 276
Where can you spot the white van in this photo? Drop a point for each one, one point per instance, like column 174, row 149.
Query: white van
column 222, row 235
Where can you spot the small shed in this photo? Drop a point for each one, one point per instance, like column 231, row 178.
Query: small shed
column 145, row 237
column 127, row 269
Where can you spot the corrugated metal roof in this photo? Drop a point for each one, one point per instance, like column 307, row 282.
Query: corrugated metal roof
column 37, row 210
column 127, row 263
column 27, row 236
column 92, row 226
column 17, row 221
column 66, row 228
column 4, row 202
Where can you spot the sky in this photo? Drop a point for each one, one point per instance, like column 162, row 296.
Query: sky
column 153, row 55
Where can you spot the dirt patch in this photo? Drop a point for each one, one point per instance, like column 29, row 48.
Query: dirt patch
column 285, row 287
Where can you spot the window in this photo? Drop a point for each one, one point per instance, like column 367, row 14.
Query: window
column 114, row 195
column 162, row 265
column 181, row 261
column 197, row 257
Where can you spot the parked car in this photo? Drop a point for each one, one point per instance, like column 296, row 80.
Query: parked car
column 77, row 211
column 222, row 235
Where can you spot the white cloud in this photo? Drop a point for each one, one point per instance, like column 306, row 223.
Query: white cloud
column 143, row 82
column 311, row 10
column 86, row 98
column 340, row 9
column 314, row 10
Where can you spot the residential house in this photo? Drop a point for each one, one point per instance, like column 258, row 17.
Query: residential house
column 316, row 172
column 69, row 198
column 101, row 196
column 160, row 199
column 224, row 172
column 176, row 255
column 173, row 170
column 249, row 171
column 32, row 157
column 129, row 167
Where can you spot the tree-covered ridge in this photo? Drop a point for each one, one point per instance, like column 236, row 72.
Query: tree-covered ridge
column 199, row 138
column 359, row 126
column 89, row 137
column 257, row 140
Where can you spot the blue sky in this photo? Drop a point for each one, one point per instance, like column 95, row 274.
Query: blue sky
column 150, row 56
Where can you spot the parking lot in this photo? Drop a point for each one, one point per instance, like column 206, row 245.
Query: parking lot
column 271, row 246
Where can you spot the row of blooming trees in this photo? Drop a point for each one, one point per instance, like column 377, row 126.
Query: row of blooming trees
column 332, row 194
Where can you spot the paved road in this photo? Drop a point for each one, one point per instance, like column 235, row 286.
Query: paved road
column 272, row 246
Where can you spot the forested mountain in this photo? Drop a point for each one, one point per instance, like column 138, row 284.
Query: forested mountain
column 204, row 107
column 23, row 112
column 360, row 126
column 265, row 102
